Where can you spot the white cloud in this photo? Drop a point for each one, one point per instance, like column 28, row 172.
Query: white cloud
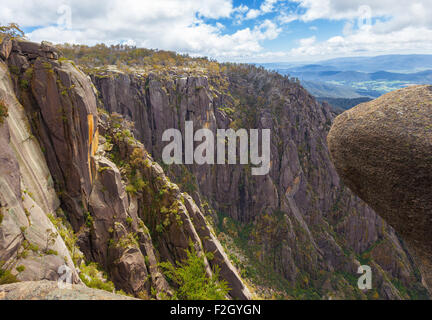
column 253, row 13
column 195, row 26
column 266, row 7
column 267, row 30
column 307, row 41
column 180, row 25
column 397, row 13
column 371, row 26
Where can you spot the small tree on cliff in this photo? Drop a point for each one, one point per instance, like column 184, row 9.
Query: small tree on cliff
column 12, row 30
column 193, row 281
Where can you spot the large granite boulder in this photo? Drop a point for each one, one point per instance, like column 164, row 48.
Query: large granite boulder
column 383, row 152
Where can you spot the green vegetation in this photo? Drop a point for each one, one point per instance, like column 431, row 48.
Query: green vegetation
column 249, row 258
column 365, row 257
column 94, row 277
column 88, row 219
column 25, row 80
column 125, row 57
column 11, row 30
column 191, row 278
column 128, row 240
column 6, row 276
column 3, row 111
column 20, row 268
column 66, row 232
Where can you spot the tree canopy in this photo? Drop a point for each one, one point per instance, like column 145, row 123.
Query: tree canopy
column 12, row 30
column 192, row 280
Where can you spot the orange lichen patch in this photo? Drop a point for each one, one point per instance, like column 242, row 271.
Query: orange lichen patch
column 90, row 121
column 93, row 142
column 293, row 187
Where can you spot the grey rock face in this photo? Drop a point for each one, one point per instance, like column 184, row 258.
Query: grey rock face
column 302, row 223
column 49, row 290
column 5, row 48
column 383, row 152
column 109, row 222
column 30, row 246
column 183, row 224
column 320, row 214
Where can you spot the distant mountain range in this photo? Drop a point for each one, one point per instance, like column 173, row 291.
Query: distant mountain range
column 358, row 77
column 392, row 63
column 324, row 89
column 352, row 76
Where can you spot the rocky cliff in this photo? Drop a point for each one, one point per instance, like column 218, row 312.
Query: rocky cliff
column 99, row 221
column 299, row 221
column 83, row 183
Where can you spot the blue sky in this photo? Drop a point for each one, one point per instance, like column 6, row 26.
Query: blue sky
column 234, row 30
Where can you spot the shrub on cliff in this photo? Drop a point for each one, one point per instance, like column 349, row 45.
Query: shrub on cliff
column 3, row 111
column 6, row 276
column 12, row 30
column 193, row 281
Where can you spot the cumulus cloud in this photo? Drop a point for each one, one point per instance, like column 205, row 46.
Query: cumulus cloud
column 181, row 25
column 266, row 7
column 385, row 26
column 202, row 27
column 342, row 9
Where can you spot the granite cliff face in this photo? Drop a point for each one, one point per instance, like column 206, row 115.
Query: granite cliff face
column 383, row 151
column 97, row 218
column 299, row 221
column 27, row 196
column 82, row 159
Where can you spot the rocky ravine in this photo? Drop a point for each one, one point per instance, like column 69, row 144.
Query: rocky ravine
column 383, row 151
column 53, row 116
column 77, row 171
column 299, row 221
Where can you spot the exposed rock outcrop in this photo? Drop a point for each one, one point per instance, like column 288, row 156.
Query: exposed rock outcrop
column 116, row 227
column 30, row 245
column 156, row 209
column 5, row 48
column 383, row 152
column 49, row 290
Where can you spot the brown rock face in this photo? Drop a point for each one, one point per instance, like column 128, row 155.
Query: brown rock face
column 5, row 48
column 383, row 152
column 63, row 107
